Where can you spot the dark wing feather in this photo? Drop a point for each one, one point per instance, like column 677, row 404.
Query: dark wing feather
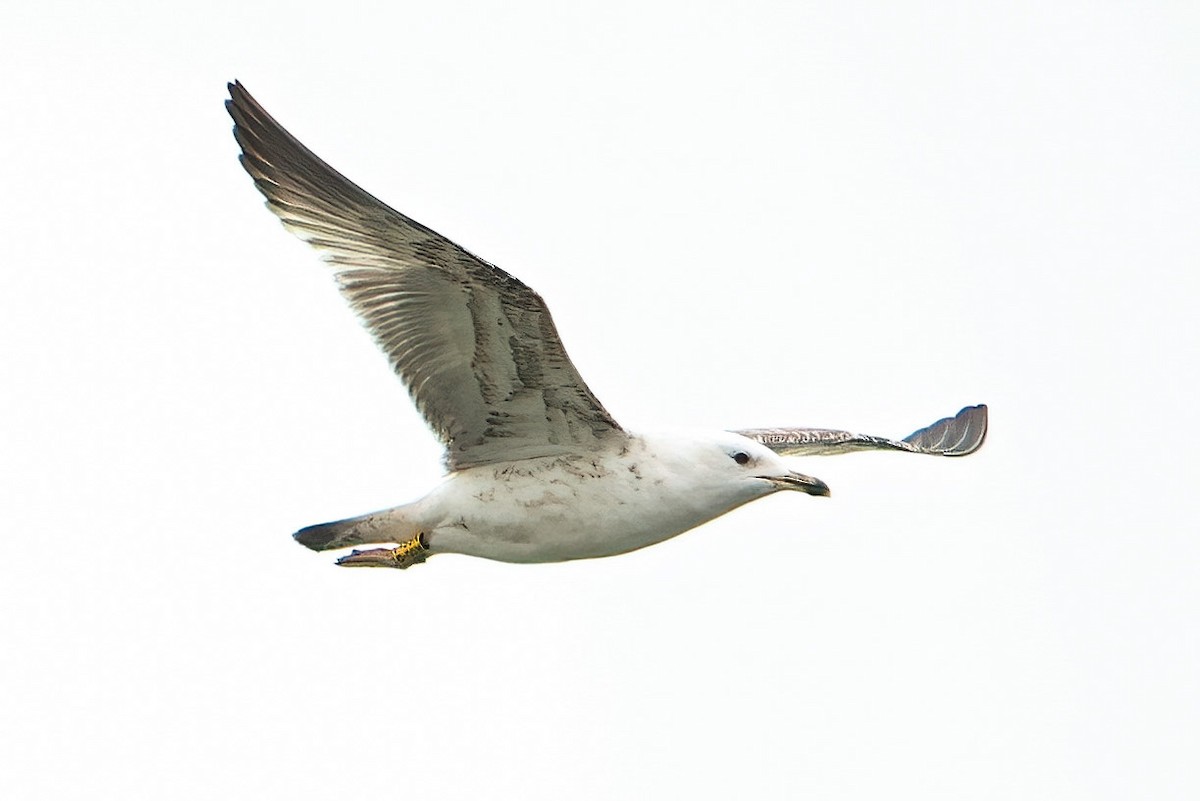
column 960, row 435
column 476, row 348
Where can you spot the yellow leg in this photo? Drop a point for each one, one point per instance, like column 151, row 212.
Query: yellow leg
column 406, row 554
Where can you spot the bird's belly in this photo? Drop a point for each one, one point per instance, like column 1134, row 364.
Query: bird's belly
column 554, row 512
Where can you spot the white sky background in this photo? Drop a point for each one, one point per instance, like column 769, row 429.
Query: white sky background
column 855, row 215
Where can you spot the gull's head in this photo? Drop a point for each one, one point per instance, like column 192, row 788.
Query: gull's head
column 748, row 461
column 731, row 465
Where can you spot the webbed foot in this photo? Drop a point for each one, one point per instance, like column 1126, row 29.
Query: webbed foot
column 407, row 554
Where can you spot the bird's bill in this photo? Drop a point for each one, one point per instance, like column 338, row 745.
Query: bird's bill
column 800, row 483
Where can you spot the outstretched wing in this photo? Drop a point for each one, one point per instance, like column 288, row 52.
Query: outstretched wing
column 475, row 347
column 960, row 435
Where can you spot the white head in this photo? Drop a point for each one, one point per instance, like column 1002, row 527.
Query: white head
column 746, row 459
column 730, row 469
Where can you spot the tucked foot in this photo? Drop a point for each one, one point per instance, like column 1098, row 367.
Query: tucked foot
column 407, row 554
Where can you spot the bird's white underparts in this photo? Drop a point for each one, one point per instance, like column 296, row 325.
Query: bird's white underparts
column 537, row 469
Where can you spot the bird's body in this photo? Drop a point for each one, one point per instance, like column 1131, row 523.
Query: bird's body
column 577, row 506
column 539, row 471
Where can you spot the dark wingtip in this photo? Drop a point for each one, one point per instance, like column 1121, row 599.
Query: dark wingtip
column 960, row 435
column 234, row 88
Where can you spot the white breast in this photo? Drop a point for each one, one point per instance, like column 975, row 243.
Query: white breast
column 575, row 507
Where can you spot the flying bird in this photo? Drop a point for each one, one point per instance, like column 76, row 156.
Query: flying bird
column 537, row 469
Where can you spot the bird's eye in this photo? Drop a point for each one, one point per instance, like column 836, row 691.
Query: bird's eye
column 741, row 457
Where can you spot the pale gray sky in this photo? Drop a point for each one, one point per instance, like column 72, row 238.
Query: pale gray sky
column 854, row 215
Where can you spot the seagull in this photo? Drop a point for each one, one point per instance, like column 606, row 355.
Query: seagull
column 537, row 469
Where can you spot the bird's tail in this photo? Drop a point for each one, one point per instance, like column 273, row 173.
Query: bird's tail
column 387, row 526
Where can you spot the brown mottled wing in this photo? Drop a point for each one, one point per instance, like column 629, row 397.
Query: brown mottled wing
column 960, row 435
column 475, row 347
